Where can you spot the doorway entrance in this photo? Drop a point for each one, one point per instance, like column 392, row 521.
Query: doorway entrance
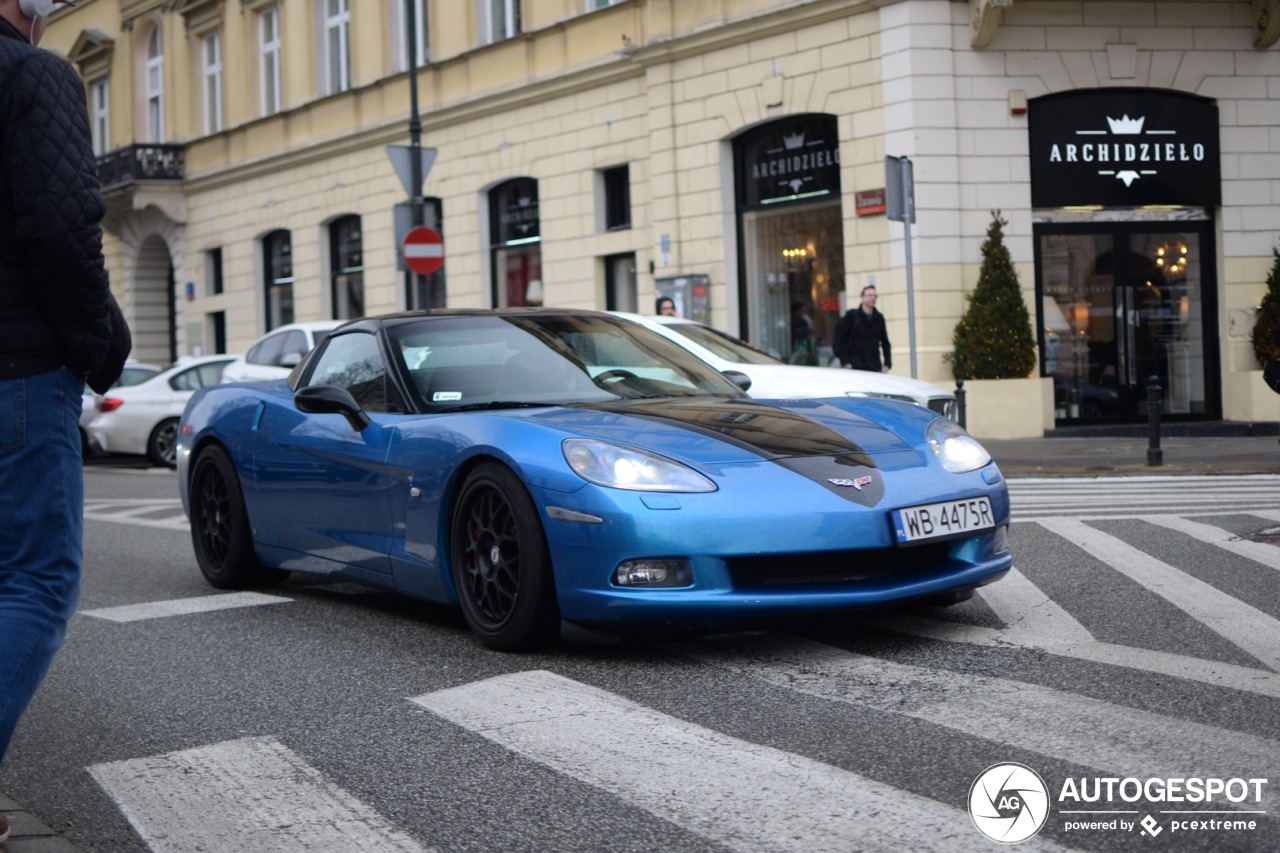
column 1122, row 304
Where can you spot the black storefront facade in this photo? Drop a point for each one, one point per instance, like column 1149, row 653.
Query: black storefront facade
column 1125, row 186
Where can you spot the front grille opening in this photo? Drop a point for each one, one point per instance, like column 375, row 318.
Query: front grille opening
column 835, row 566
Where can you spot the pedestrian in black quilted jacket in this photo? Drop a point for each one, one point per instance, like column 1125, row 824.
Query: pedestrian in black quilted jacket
column 860, row 336
column 60, row 329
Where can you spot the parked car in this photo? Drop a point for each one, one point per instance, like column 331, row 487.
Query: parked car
column 539, row 465
column 133, row 373
column 773, row 378
column 142, row 419
column 278, row 351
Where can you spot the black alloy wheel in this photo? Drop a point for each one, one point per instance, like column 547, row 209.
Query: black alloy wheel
column 162, row 444
column 220, row 531
column 501, row 565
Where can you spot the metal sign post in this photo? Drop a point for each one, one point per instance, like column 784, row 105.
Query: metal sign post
column 900, row 204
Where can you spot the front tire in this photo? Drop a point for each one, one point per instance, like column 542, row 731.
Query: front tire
column 162, row 444
column 501, row 565
column 220, row 530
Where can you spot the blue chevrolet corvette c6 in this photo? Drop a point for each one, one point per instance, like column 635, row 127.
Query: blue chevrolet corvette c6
column 538, row 465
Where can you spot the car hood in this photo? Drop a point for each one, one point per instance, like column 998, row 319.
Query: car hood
column 785, row 380
column 715, row 431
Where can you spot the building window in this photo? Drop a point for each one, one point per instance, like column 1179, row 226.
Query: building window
column 213, row 272
column 515, row 240
column 213, row 82
column 155, row 85
column 620, row 283
column 269, row 30
column 399, row 30
column 346, row 262
column 428, row 291
column 502, row 19
column 337, row 54
column 617, row 198
column 791, row 229
column 216, row 330
column 100, row 116
column 592, row 5
column 277, row 256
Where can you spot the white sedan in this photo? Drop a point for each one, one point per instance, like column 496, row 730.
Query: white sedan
column 133, row 373
column 142, row 419
column 774, row 379
column 278, row 351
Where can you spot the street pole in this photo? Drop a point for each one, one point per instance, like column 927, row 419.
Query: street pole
column 908, row 195
column 415, row 143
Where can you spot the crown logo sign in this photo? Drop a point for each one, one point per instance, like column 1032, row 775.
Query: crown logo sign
column 1126, row 125
column 793, row 141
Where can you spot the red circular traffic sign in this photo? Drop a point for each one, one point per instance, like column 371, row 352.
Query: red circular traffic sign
column 423, row 250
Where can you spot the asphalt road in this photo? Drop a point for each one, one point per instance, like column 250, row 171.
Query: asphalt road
column 1139, row 638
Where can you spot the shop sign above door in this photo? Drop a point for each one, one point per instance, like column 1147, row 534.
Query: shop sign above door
column 1124, row 148
column 789, row 160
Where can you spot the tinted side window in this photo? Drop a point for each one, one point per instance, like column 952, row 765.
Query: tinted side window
column 295, row 344
column 267, row 350
column 353, row 361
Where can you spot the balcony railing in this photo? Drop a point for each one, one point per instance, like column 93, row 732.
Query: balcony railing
column 141, row 163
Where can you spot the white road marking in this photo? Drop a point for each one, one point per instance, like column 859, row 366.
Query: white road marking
column 161, row 513
column 243, row 796
column 1130, row 497
column 734, row 793
column 184, row 606
column 1259, row 552
column 1113, row 739
column 1247, row 627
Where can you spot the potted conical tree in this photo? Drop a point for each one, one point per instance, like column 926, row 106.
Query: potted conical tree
column 995, row 350
column 1264, row 347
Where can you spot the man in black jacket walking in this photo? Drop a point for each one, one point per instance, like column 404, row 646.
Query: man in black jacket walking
column 60, row 329
column 860, row 336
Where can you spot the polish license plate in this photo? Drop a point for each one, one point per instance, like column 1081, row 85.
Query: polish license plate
column 943, row 520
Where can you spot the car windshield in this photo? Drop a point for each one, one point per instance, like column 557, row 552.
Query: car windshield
column 491, row 361
column 725, row 346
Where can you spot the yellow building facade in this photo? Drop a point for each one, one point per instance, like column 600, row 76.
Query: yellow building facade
column 730, row 153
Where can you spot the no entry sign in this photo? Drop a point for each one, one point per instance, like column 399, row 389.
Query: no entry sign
column 423, row 250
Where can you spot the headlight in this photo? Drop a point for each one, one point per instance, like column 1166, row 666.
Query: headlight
column 620, row 467
column 956, row 449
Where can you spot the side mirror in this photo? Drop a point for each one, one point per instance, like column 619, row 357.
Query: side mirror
column 737, row 377
column 291, row 359
column 331, row 400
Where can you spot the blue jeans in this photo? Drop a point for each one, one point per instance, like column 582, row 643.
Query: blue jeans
column 41, row 531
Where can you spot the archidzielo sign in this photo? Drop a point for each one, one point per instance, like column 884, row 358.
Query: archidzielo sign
column 1124, row 148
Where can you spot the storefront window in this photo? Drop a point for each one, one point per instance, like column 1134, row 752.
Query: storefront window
column 791, row 233
column 1120, row 306
column 515, row 240
column 277, row 252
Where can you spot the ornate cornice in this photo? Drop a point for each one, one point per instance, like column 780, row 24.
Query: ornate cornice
column 984, row 17
column 1266, row 22
column 202, row 15
column 91, row 53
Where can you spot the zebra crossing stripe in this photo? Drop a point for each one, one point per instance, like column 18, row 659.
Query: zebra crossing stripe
column 1258, row 552
column 252, row 795
column 1244, row 625
column 1113, row 739
column 184, row 606
column 741, row 795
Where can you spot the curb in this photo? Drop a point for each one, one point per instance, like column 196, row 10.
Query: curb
column 28, row 834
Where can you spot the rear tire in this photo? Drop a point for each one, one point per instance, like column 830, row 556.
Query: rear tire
column 501, row 565
column 220, row 530
column 162, row 444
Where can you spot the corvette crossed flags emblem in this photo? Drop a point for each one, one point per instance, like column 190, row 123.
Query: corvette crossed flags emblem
column 856, row 483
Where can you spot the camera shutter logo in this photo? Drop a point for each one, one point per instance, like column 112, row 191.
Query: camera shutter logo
column 1009, row 802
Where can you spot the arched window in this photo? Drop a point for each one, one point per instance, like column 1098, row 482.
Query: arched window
column 515, row 237
column 155, row 85
column 346, row 264
column 277, row 257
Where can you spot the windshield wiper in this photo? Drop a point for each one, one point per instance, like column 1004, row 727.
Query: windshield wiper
column 495, row 404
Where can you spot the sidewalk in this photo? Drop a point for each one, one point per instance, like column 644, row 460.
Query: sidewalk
column 28, row 834
column 1128, row 456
